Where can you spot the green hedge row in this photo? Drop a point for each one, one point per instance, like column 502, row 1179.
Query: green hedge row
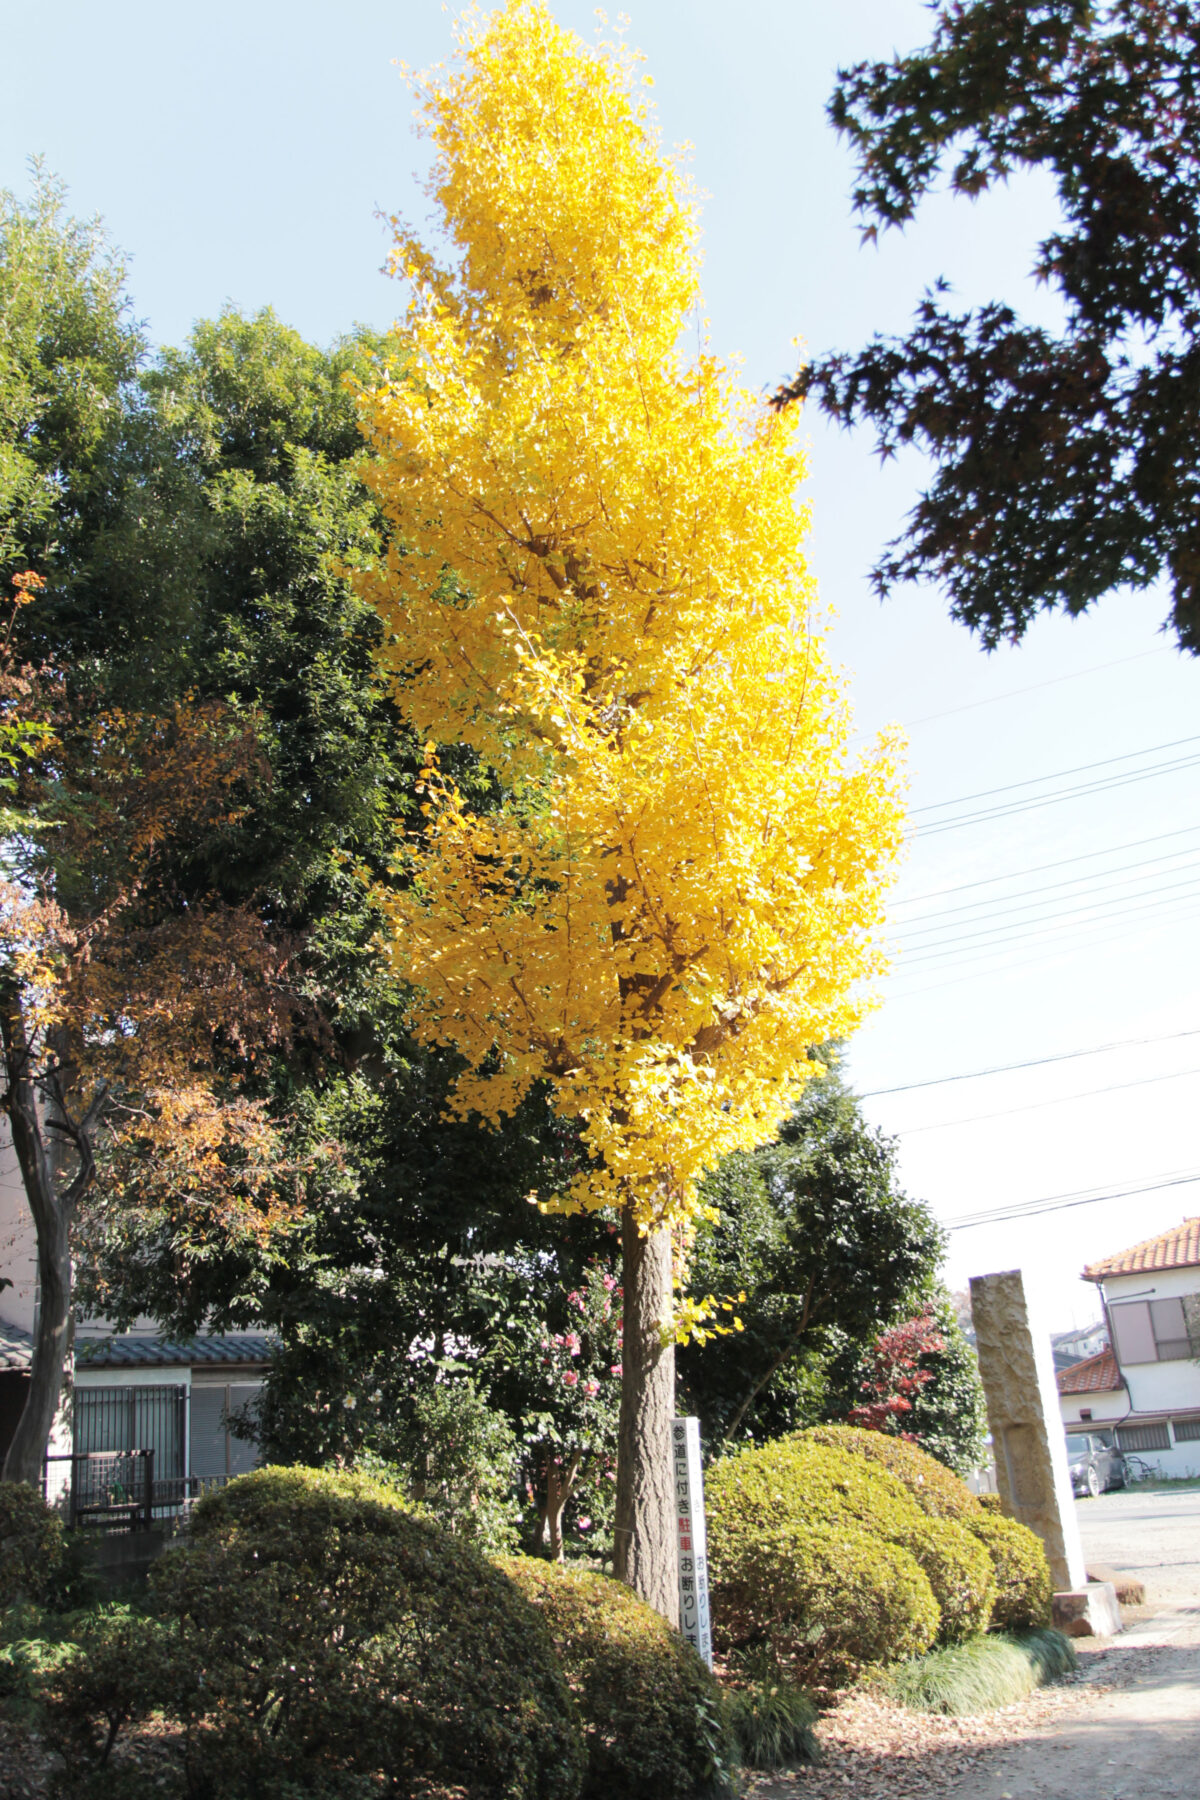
column 840, row 1548
column 314, row 1638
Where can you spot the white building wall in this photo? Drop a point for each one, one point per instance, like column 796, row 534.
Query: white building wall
column 18, row 1240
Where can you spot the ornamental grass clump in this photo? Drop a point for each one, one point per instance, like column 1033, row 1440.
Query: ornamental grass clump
column 983, row 1675
column 332, row 1643
column 653, row 1716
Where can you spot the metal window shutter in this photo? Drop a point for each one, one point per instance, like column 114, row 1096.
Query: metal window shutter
column 207, row 1431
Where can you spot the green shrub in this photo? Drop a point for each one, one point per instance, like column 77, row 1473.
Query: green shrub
column 960, row 1572
column 31, row 1544
column 936, row 1489
column 332, row 1644
column 794, row 1566
column 983, row 1674
column 88, row 1687
column 796, row 1485
column 1022, row 1573
column 652, row 1713
column 459, row 1461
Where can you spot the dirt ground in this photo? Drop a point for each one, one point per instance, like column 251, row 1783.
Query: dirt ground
column 1126, row 1726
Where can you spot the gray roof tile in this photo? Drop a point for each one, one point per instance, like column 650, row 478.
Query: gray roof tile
column 16, row 1346
column 241, row 1348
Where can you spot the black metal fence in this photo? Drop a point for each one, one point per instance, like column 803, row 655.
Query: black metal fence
column 110, row 1491
column 105, row 1490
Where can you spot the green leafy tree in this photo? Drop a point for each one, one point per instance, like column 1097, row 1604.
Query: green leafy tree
column 827, row 1248
column 1067, row 463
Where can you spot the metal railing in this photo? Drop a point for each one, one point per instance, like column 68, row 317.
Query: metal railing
column 109, row 1491
column 106, row 1490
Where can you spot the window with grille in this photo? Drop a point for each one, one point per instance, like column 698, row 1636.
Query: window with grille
column 1144, row 1437
column 1186, row 1431
column 133, row 1418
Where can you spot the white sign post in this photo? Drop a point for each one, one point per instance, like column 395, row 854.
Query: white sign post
column 693, row 1539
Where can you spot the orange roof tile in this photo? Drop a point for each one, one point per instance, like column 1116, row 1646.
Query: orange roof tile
column 1098, row 1375
column 1176, row 1249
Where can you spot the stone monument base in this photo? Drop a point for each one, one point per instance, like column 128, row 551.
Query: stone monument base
column 1089, row 1611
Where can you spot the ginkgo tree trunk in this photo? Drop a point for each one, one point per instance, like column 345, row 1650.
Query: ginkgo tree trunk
column 598, row 586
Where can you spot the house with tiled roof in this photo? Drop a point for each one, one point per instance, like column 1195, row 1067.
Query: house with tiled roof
column 129, row 1391
column 1143, row 1391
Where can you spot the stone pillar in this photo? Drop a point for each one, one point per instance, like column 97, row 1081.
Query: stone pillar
column 1023, row 1412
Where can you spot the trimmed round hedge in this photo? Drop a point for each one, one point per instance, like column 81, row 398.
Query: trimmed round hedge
column 803, row 1557
column 960, row 1572
column 1023, row 1585
column 652, row 1713
column 1022, row 1572
column 32, row 1548
column 936, row 1489
column 332, row 1643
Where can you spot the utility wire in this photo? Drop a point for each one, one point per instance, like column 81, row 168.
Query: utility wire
column 1117, row 1087
column 1009, row 787
column 1048, row 953
column 1092, row 884
column 1064, row 1202
column 1036, row 1062
column 1032, row 930
column 1075, row 793
column 1042, row 868
column 1015, row 693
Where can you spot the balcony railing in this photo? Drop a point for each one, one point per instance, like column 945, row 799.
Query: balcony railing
column 110, row 1491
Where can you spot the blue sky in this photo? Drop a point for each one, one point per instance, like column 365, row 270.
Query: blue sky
column 243, row 152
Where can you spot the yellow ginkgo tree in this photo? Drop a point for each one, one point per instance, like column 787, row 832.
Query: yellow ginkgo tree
column 598, row 586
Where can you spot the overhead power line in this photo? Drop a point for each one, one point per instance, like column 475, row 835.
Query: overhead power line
column 1117, row 1087
column 1046, row 953
column 1074, row 793
column 1043, row 868
column 1036, row 1062
column 1033, row 931
column 1034, row 687
column 1009, row 787
column 1064, row 1202
column 1007, row 904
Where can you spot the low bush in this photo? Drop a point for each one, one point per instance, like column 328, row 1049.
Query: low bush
column 936, row 1489
column 793, row 1568
column 1022, row 1574
column 982, row 1675
column 652, row 1713
column 1023, row 1584
column 960, row 1572
column 331, row 1643
column 797, row 1503
column 109, row 1671
column 31, row 1544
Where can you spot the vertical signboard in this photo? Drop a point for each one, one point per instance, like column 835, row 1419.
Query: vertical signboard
column 693, row 1540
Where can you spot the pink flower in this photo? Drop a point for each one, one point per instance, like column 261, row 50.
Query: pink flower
column 591, row 1387
column 571, row 1377
column 571, row 1341
column 610, row 1282
column 584, row 1524
column 616, row 1369
column 576, row 1299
